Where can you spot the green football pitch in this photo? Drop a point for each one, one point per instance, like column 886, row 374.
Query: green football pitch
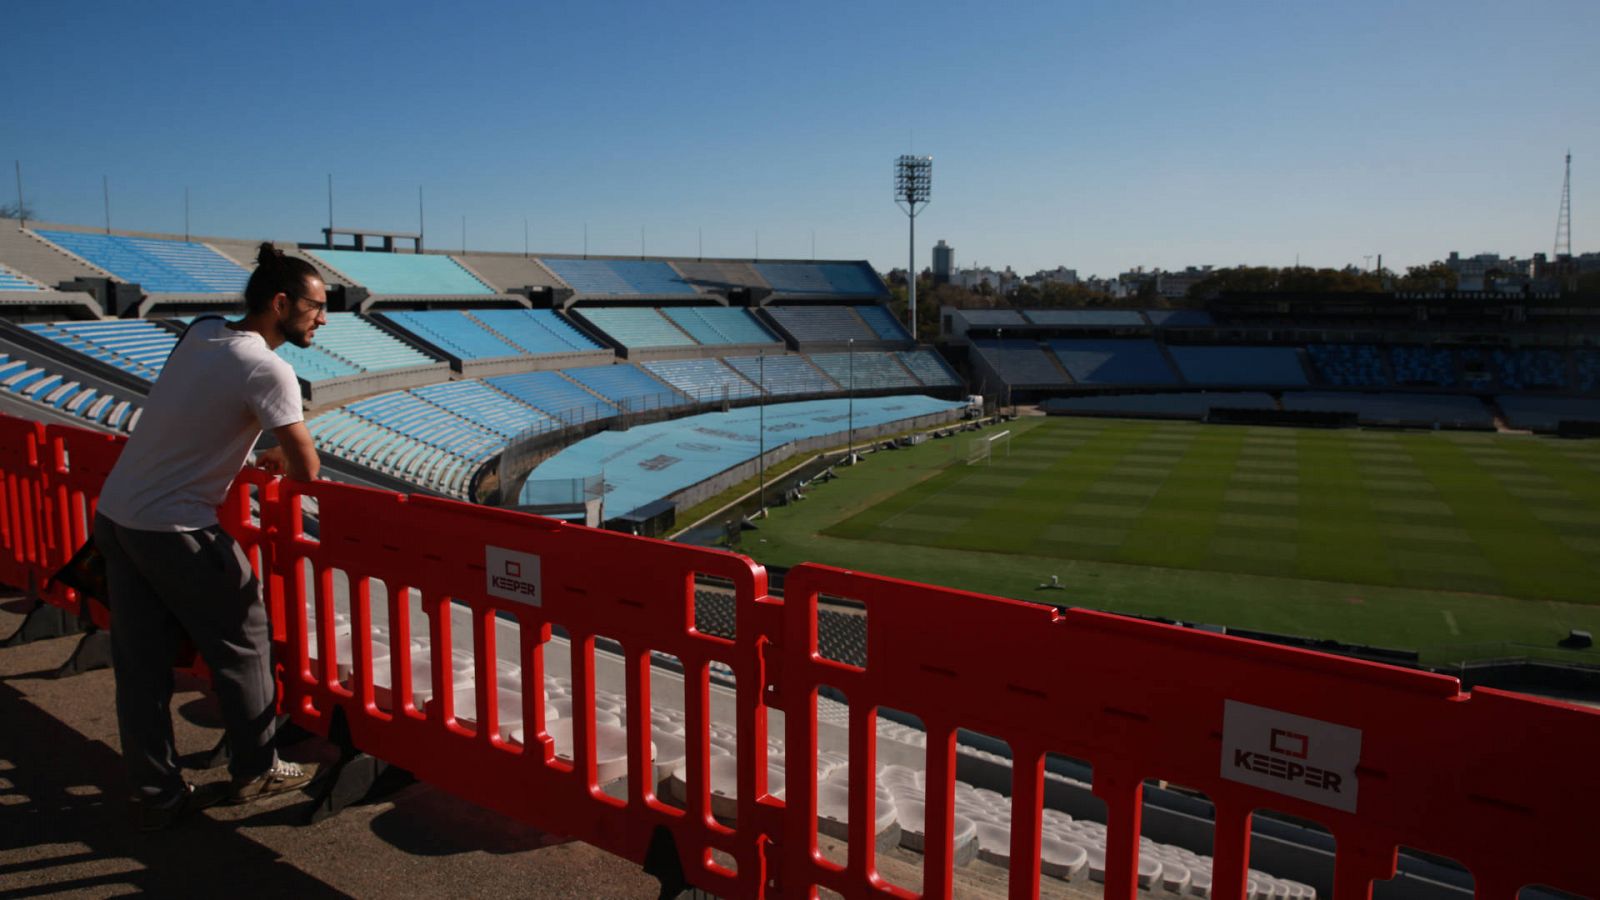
column 1452, row 543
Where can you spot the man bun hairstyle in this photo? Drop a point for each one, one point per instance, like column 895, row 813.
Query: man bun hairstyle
column 276, row 274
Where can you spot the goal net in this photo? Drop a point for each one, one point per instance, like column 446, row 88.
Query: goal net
column 981, row 451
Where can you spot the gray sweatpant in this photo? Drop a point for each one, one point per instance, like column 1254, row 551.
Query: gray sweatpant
column 164, row 584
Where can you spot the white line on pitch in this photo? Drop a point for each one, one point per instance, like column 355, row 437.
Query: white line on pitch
column 1450, row 621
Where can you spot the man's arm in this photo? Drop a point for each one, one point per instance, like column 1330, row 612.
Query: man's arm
column 300, row 460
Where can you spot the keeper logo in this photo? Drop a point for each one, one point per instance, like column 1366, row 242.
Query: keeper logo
column 1289, row 754
column 512, row 575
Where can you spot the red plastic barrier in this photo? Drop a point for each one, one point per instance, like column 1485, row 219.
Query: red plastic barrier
column 75, row 463
column 21, row 441
column 635, row 591
column 1381, row 756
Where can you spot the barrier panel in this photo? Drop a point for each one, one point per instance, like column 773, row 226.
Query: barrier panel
column 1380, row 756
column 74, row 464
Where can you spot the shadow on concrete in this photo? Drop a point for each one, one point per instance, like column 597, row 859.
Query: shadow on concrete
column 64, row 804
column 426, row 821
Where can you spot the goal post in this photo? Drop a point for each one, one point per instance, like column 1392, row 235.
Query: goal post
column 981, row 450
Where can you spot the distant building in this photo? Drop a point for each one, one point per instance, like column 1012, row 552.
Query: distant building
column 1058, row 275
column 944, row 262
column 1000, row 282
column 1175, row 285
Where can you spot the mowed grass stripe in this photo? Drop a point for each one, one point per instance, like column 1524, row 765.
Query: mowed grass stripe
column 1012, row 520
column 1338, row 537
column 1179, row 520
column 1529, row 557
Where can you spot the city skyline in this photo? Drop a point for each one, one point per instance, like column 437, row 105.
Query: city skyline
column 1097, row 137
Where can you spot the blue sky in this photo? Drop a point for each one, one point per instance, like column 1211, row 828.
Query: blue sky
column 1093, row 135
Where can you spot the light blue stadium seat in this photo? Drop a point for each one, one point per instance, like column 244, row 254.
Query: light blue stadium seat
column 1535, row 369
column 408, row 414
column 1113, row 361
column 703, row 380
column 720, row 325
column 369, row 348
column 1422, row 365
column 554, row 395
column 536, row 331
column 883, row 323
column 1239, row 365
column 1586, row 367
column 482, row 405
column 1019, row 361
column 782, row 373
column 823, row 324
column 843, row 279
column 403, row 274
column 11, row 281
column 620, row 277
column 137, row 346
column 1349, row 365
column 929, row 367
column 634, row 327
column 874, row 369
column 454, row 332
column 157, row 266
column 626, row 385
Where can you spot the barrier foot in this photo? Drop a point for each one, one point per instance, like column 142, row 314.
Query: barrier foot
column 661, row 860
column 93, row 652
column 42, row 623
column 355, row 778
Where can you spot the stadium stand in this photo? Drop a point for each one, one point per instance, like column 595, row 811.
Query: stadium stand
column 244, row 253
column 1156, row 406
column 138, row 347
column 484, row 406
column 992, row 318
column 554, row 395
column 1530, row 369
column 1113, row 361
column 40, row 382
column 536, row 331
column 358, row 342
column 636, row 328
column 873, row 370
column 929, row 368
column 1586, row 368
column 703, row 380
column 781, row 373
column 1086, row 318
column 353, row 437
column 722, row 276
column 1349, row 365
column 157, row 266
column 36, row 258
column 883, row 323
column 627, row 386
column 1397, row 409
column 1239, row 365
column 822, row 279
column 822, row 324
column 455, row 332
column 1414, row 365
column 402, row 274
column 720, row 325
column 1179, row 318
column 619, row 277
column 1477, row 370
column 1547, row 413
column 507, row 272
column 1020, row 362
column 14, row 281
column 414, row 417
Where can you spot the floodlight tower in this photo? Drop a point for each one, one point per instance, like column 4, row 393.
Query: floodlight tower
column 913, row 184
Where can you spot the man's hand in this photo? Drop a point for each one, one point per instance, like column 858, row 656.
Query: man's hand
column 274, row 460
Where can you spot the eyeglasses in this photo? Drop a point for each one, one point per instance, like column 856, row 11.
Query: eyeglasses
column 316, row 305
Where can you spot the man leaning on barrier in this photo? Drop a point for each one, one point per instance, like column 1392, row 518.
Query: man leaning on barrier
column 173, row 570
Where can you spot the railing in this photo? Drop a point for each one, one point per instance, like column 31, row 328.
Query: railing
column 1383, row 757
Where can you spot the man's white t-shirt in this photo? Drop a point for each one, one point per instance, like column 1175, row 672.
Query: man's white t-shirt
column 217, row 392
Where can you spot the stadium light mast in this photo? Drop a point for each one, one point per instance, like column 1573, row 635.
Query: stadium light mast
column 913, row 185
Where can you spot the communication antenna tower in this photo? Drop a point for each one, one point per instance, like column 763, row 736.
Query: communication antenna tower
column 1564, row 218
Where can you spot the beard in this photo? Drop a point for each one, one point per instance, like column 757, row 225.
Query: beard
column 296, row 335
